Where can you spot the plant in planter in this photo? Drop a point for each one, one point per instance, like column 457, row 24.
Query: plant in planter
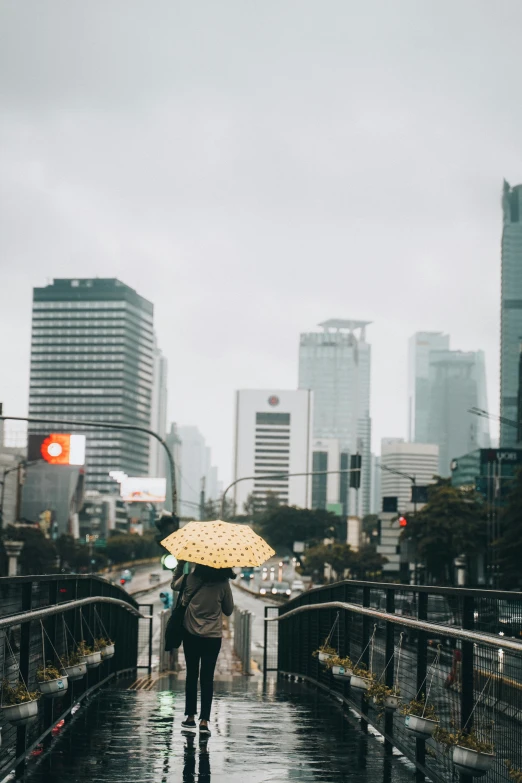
column 73, row 665
column 470, row 754
column 19, row 705
column 51, row 682
column 383, row 696
column 325, row 652
column 90, row 657
column 105, row 646
column 342, row 668
column 361, row 678
column 421, row 718
column 514, row 773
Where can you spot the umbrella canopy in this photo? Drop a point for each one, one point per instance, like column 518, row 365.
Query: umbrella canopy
column 218, row 544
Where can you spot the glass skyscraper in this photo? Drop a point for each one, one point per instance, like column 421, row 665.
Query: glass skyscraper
column 335, row 365
column 511, row 313
column 420, row 347
column 457, row 383
column 92, row 359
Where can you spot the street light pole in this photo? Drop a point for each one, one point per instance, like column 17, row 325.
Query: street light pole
column 283, row 475
column 104, row 425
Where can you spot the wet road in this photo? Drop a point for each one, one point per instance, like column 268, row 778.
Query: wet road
column 283, row 732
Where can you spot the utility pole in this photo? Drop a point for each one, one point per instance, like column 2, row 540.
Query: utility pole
column 202, row 499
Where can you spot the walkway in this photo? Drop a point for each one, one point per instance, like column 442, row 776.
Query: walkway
column 261, row 734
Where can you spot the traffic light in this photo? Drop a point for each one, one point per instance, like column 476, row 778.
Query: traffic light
column 355, row 471
column 403, row 522
column 166, row 524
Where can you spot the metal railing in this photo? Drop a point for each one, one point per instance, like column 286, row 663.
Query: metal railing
column 460, row 647
column 43, row 618
column 243, row 638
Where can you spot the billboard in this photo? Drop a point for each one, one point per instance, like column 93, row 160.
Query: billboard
column 58, row 448
column 142, row 489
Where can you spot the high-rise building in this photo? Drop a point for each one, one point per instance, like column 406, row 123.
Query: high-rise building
column 457, row 383
column 329, row 490
column 158, row 418
column 335, row 365
column 197, row 472
column 511, row 315
column 92, row 360
column 420, row 347
column 273, row 436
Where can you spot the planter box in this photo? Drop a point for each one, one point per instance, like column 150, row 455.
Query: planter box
column 107, row 652
column 54, row 688
column 323, row 657
column 93, row 660
column 391, row 702
column 471, row 762
column 360, row 683
column 340, row 673
column 421, row 727
column 20, row 714
column 76, row 672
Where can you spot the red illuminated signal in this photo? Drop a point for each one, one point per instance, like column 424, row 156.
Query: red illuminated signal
column 403, row 521
column 56, row 449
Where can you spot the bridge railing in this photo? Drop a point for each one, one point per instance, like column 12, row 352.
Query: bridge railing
column 43, row 618
column 461, row 648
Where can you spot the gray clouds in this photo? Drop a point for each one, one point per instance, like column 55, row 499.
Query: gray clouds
column 254, row 168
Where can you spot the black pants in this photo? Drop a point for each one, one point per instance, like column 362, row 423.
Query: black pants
column 198, row 649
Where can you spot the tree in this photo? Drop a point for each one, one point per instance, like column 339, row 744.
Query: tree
column 370, row 526
column 39, row 553
column 451, row 524
column 367, row 563
column 282, row 525
column 339, row 557
column 509, row 545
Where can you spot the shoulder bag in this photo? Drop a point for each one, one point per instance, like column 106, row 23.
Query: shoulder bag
column 174, row 629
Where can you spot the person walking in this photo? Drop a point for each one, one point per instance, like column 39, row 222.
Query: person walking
column 207, row 596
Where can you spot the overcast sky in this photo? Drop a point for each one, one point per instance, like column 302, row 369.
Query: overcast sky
column 254, row 167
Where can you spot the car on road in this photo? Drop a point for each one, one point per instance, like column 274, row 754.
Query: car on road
column 298, row 586
column 154, row 579
column 125, row 576
column 275, row 588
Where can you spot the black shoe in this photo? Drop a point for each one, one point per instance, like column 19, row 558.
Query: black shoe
column 189, row 725
column 204, row 731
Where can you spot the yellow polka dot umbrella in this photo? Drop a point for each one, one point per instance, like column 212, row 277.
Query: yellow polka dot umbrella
column 218, row 544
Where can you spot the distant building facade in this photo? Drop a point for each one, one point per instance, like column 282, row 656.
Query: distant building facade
column 197, row 472
column 335, row 365
column 457, row 384
column 420, row 346
column 329, row 491
column 92, row 356
column 491, row 472
column 273, row 435
column 418, row 460
column 158, row 414
column 511, row 314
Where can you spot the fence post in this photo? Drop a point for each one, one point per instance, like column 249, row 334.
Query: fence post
column 366, row 654
column 265, row 644
column 467, row 695
column 25, row 646
column 422, row 668
column 389, row 662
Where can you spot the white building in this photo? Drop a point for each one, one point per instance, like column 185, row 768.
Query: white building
column 158, row 414
column 335, row 365
column 418, row 460
column 273, row 435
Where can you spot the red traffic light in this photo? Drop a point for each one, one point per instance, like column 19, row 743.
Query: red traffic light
column 122, row 581
column 403, row 521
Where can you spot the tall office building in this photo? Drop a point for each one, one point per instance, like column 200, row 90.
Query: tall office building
column 197, row 472
column 511, row 315
column 420, row 347
column 158, row 417
column 335, row 365
column 273, row 436
column 457, row 382
column 92, row 360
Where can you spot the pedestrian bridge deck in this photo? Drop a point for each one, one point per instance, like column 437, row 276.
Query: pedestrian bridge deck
column 262, row 733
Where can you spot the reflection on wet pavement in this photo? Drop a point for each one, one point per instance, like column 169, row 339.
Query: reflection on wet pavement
column 283, row 732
